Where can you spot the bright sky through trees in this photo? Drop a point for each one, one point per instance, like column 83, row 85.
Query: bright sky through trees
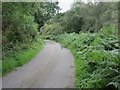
column 65, row 4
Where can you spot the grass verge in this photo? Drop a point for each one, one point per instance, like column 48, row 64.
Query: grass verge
column 22, row 57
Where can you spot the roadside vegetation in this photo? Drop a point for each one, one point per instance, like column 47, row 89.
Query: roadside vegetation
column 21, row 37
column 89, row 30
column 96, row 57
column 15, row 59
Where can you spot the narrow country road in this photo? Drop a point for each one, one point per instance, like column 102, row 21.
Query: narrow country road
column 51, row 68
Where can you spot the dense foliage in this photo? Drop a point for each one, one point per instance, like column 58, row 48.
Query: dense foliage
column 96, row 57
column 21, row 38
column 45, row 12
column 18, row 26
column 85, row 17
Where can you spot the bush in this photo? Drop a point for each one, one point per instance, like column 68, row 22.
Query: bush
column 53, row 29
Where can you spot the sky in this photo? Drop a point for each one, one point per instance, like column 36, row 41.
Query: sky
column 65, row 4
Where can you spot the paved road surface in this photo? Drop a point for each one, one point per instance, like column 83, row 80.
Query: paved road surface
column 51, row 68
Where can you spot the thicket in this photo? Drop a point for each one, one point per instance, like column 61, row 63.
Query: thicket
column 96, row 57
column 19, row 31
column 18, row 25
column 21, row 37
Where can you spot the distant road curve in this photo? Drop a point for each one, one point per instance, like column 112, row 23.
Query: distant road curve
column 53, row 67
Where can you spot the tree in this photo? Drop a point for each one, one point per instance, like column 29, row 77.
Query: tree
column 18, row 24
column 46, row 11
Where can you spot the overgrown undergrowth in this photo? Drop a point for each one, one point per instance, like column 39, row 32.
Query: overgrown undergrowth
column 96, row 57
column 21, row 56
